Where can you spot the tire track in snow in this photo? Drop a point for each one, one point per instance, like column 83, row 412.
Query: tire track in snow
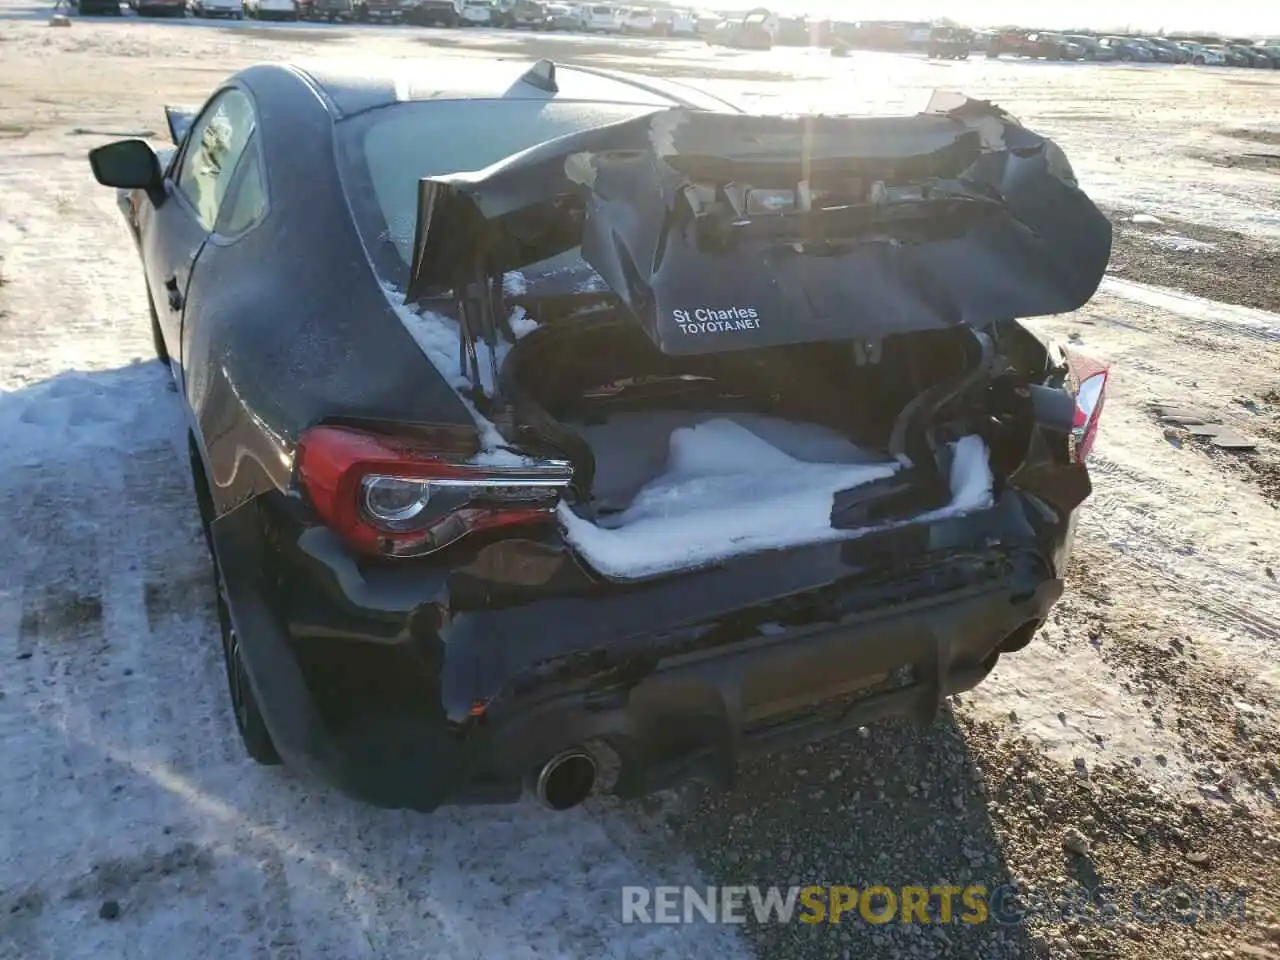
column 57, row 785
column 1243, row 322
column 1164, row 562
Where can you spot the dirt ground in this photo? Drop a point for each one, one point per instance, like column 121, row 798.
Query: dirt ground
column 1134, row 744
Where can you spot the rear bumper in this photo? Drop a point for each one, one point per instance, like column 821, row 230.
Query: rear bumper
column 698, row 715
column 657, row 709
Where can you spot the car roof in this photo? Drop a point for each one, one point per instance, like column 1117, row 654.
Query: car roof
column 353, row 86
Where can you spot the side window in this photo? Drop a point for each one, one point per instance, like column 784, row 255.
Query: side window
column 246, row 202
column 216, row 141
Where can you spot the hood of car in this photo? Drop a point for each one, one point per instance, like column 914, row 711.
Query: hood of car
column 725, row 231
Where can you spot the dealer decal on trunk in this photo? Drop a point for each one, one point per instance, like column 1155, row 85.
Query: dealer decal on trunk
column 710, row 320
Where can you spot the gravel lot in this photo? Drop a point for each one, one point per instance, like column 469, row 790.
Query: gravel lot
column 1133, row 744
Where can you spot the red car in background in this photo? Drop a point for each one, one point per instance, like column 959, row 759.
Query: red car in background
column 1023, row 43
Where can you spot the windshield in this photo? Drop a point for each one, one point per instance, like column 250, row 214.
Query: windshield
column 383, row 154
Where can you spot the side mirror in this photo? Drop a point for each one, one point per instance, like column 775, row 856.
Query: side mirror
column 129, row 165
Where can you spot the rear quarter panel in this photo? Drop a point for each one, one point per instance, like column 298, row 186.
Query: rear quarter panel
column 287, row 324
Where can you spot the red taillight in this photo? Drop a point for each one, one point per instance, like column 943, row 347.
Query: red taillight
column 393, row 497
column 1091, row 392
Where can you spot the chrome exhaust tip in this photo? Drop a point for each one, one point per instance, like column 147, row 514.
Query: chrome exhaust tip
column 566, row 780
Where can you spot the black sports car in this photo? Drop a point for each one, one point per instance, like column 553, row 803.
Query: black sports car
column 559, row 429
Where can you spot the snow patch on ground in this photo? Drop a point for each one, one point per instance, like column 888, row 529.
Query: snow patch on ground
column 80, row 409
column 1181, row 244
column 1147, row 219
column 1193, row 308
column 726, row 491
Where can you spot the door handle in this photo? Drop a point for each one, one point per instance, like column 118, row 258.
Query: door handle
column 175, row 297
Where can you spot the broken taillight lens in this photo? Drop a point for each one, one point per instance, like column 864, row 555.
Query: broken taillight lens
column 391, row 496
column 1091, row 393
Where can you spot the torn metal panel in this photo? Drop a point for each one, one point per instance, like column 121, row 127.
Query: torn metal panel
column 727, row 231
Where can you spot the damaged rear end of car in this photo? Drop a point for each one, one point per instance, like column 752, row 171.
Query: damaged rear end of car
column 765, row 454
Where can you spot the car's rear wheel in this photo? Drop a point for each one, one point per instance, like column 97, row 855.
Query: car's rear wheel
column 244, row 705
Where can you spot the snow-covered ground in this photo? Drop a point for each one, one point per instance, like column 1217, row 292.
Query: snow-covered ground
column 123, row 780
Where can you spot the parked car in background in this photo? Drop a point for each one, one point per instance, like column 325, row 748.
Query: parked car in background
column 159, row 8
column 1128, row 50
column 1251, row 55
column 478, row 13
column 271, row 9
column 679, row 23
column 707, row 22
column 949, row 43
column 639, row 20
column 1065, row 47
column 231, row 9
column 1175, row 51
column 602, row 18
column 1272, row 53
column 520, row 15
column 1230, row 57
column 1034, row 44
column 436, row 13
column 1093, row 48
column 90, row 8
column 382, row 11
column 1203, row 56
column 1159, row 54
column 794, row 32
column 749, row 33
column 561, row 16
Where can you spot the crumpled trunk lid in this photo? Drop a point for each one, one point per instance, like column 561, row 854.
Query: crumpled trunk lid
column 728, row 231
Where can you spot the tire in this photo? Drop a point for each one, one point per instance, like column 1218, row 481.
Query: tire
column 244, row 705
column 1198, row 61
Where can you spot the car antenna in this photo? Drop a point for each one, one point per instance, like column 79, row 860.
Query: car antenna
column 543, row 76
